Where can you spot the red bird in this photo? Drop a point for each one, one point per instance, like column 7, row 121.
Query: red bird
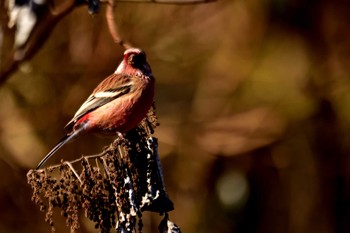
column 117, row 104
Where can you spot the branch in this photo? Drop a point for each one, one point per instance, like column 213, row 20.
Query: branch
column 113, row 30
column 49, row 15
column 44, row 23
column 114, row 192
column 170, row 2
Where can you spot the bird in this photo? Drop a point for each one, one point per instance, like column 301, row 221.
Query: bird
column 117, row 105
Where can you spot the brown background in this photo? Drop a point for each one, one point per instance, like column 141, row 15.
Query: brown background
column 253, row 98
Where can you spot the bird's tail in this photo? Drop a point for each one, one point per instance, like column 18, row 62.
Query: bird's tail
column 61, row 143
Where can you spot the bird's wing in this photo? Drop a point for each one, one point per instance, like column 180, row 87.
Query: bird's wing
column 111, row 88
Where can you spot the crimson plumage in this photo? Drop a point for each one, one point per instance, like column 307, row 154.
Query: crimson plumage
column 117, row 104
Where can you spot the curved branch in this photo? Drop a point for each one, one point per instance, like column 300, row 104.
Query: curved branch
column 34, row 42
column 112, row 26
column 52, row 14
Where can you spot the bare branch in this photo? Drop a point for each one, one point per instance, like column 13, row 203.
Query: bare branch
column 54, row 13
column 73, row 170
column 39, row 33
column 125, row 181
column 172, row 2
column 113, row 30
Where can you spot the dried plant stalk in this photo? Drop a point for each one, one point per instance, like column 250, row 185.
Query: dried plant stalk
column 112, row 188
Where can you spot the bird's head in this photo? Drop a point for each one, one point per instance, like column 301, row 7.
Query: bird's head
column 136, row 58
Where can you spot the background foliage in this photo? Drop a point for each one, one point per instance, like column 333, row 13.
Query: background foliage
column 252, row 97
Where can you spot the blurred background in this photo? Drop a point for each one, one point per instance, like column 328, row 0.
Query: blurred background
column 253, row 99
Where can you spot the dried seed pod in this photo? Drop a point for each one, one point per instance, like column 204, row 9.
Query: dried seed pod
column 113, row 188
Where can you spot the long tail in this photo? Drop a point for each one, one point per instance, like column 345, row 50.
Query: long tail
column 61, row 143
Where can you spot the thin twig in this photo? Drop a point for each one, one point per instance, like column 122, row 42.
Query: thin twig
column 105, row 167
column 114, row 144
column 170, row 2
column 76, row 160
column 63, row 7
column 73, row 170
column 112, row 26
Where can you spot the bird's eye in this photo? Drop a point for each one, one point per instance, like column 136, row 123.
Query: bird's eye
column 138, row 59
column 131, row 58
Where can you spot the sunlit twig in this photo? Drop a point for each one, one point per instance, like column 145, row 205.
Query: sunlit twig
column 46, row 22
column 73, row 170
column 113, row 30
